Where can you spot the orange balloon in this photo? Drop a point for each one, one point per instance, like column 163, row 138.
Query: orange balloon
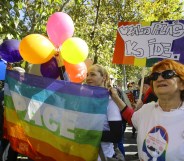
column 36, row 49
column 76, row 72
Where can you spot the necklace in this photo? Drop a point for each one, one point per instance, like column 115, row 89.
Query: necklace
column 181, row 103
column 169, row 109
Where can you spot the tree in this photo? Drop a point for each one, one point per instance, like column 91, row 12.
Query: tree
column 160, row 10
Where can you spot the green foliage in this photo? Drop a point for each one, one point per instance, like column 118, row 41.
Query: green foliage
column 95, row 22
column 160, row 10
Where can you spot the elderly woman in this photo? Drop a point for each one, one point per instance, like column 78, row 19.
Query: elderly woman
column 160, row 124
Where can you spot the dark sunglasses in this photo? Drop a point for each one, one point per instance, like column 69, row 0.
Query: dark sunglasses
column 167, row 74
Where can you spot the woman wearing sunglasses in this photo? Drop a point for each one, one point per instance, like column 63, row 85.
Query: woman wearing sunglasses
column 160, row 125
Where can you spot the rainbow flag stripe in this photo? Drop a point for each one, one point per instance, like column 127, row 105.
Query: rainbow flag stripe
column 53, row 120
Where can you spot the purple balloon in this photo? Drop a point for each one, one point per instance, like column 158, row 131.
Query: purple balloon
column 9, row 51
column 50, row 69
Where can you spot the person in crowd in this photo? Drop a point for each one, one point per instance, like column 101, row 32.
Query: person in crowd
column 119, row 147
column 8, row 154
column 120, row 143
column 131, row 96
column 130, row 86
column 112, row 132
column 160, row 125
column 148, row 94
column 1, row 116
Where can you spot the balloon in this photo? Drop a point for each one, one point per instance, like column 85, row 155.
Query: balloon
column 88, row 62
column 50, row 69
column 2, row 69
column 9, row 51
column 74, row 50
column 36, row 49
column 59, row 28
column 76, row 72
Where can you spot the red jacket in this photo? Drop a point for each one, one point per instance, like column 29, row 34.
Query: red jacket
column 127, row 113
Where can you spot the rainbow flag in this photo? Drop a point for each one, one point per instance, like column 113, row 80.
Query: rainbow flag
column 145, row 43
column 53, row 120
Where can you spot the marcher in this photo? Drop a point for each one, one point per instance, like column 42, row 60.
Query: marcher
column 119, row 147
column 8, row 154
column 160, row 125
column 112, row 132
column 148, row 94
column 131, row 96
column 1, row 116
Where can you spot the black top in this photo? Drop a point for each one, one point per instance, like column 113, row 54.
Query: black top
column 1, row 113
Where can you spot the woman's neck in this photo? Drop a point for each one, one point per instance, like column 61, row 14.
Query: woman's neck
column 170, row 104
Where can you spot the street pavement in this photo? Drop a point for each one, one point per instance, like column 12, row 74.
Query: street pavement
column 130, row 145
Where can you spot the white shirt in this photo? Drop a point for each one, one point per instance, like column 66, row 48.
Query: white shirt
column 160, row 135
column 113, row 114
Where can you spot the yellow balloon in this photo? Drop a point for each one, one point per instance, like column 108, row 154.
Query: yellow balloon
column 36, row 49
column 74, row 50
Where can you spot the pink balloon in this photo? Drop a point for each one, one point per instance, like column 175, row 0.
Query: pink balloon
column 76, row 72
column 59, row 28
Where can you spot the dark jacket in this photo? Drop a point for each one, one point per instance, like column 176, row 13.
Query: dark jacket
column 149, row 96
column 1, row 113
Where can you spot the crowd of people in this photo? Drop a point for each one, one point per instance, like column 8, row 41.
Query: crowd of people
column 158, row 117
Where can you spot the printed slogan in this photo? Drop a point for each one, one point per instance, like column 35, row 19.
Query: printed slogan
column 150, row 40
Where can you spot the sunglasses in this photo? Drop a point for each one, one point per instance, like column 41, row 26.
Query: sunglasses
column 167, row 74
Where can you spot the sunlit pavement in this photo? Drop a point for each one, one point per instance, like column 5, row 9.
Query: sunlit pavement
column 130, row 145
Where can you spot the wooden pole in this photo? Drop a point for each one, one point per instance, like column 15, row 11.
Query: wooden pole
column 142, row 83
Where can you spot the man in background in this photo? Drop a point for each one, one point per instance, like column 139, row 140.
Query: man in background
column 1, row 115
column 147, row 93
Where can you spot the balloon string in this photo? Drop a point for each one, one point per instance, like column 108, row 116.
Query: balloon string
column 61, row 71
column 60, row 63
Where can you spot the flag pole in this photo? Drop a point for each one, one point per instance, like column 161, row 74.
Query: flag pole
column 124, row 81
column 142, row 83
